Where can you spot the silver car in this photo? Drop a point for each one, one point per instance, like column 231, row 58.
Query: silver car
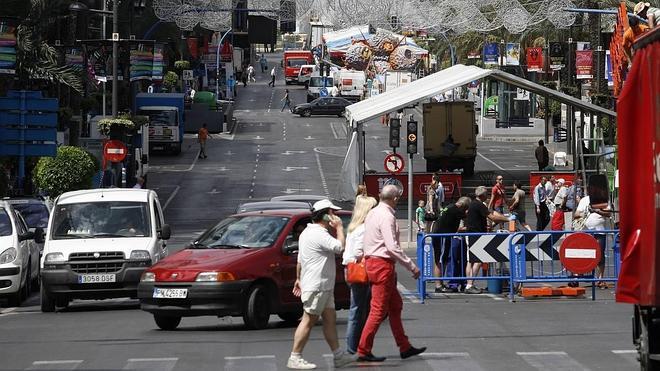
column 19, row 255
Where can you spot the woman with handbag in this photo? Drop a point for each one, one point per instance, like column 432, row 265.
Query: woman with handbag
column 356, row 273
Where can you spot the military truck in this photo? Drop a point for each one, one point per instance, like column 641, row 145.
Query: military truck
column 450, row 136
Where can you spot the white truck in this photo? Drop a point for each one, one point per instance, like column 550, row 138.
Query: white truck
column 350, row 84
column 394, row 79
column 319, row 86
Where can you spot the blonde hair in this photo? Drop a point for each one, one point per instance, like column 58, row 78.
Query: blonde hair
column 363, row 204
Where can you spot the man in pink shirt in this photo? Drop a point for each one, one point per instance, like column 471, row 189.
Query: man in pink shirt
column 382, row 251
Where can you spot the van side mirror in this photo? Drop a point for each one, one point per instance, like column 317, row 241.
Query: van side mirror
column 39, row 235
column 165, row 232
column 26, row 236
column 290, row 246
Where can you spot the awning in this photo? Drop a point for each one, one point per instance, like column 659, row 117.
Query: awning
column 447, row 79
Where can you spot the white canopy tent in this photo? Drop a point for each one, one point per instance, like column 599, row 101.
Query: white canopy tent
column 423, row 90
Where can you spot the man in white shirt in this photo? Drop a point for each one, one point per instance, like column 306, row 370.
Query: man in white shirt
column 316, row 281
column 273, row 73
column 596, row 221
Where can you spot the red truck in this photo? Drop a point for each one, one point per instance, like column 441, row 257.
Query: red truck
column 292, row 61
column 638, row 110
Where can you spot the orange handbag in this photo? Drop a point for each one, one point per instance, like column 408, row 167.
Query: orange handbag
column 356, row 272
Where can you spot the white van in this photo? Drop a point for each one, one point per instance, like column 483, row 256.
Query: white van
column 351, row 84
column 98, row 244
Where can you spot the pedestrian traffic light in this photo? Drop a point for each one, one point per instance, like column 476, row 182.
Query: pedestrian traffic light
column 327, row 70
column 411, row 138
column 395, row 132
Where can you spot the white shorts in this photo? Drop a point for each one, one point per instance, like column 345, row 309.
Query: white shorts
column 315, row 302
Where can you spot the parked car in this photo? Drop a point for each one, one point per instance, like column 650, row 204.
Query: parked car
column 35, row 211
column 322, row 106
column 306, row 73
column 299, row 198
column 243, row 266
column 19, row 255
column 272, row 205
column 99, row 243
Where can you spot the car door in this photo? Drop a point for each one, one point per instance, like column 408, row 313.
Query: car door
column 289, row 262
column 322, row 108
column 161, row 244
column 33, row 248
column 24, row 246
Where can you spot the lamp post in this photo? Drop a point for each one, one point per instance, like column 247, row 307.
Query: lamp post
column 115, row 54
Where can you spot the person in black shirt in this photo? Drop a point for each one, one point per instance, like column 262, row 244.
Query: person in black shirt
column 476, row 222
column 448, row 222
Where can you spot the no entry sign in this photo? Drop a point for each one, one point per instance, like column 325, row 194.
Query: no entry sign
column 580, row 253
column 394, row 163
column 115, row 151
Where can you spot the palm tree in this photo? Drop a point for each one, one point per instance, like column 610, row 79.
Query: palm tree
column 34, row 57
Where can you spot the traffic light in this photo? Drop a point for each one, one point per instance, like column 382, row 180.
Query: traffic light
column 411, row 138
column 395, row 132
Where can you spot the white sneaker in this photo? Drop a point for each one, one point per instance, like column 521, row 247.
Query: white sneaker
column 298, row 363
column 344, row 359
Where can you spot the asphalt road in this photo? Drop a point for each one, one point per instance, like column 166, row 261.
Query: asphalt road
column 273, row 153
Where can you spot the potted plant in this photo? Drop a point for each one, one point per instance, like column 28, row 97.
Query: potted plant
column 116, row 128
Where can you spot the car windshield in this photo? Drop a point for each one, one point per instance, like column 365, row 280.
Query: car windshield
column 5, row 223
column 296, row 62
column 243, row 232
column 161, row 118
column 317, row 82
column 101, row 220
column 35, row 214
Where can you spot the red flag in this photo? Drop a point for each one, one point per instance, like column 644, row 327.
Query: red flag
column 583, row 61
column 534, row 59
column 192, row 47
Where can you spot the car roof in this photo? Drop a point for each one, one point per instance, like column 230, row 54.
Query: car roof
column 272, row 205
column 300, row 198
column 286, row 212
column 105, row 195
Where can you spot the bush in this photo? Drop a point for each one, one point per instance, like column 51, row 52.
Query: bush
column 123, row 125
column 71, row 169
column 170, row 80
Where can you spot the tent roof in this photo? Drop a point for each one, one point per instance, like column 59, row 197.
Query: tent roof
column 447, row 79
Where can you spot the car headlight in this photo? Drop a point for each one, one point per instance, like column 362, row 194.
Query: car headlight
column 54, row 257
column 140, row 255
column 148, row 277
column 214, row 277
column 8, row 255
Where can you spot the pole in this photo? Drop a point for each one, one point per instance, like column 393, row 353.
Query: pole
column 115, row 56
column 104, row 36
column 410, row 198
column 217, row 65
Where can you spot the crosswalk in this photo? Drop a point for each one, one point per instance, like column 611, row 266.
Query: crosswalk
column 445, row 361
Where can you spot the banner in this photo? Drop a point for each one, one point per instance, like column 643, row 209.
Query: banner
column 583, row 60
column 557, row 54
column 192, row 47
column 608, row 68
column 142, row 57
column 534, row 59
column 158, row 64
column 74, row 58
column 100, row 59
column 7, row 48
column 512, row 54
column 491, row 54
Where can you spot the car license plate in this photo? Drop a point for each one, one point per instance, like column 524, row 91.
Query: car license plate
column 158, row 148
column 170, row 293
column 97, row 278
column 167, row 131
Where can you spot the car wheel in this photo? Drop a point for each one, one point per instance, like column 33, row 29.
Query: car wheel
column 257, row 308
column 62, row 302
column 291, row 316
column 167, row 323
column 306, row 113
column 47, row 301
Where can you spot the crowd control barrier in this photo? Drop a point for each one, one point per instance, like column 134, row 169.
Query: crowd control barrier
column 516, row 258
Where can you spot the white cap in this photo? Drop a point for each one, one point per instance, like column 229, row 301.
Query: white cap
column 561, row 181
column 324, row 204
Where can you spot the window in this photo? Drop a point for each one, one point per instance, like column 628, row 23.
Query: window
column 101, row 220
column 317, row 82
column 161, row 118
column 296, row 62
column 5, row 223
column 159, row 222
column 247, row 231
column 20, row 223
column 35, row 214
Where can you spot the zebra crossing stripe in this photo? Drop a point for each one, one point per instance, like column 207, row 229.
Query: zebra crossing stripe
column 164, row 364
column 55, row 365
column 551, row 361
column 459, row 361
column 251, row 363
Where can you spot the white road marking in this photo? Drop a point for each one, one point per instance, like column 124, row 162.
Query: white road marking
column 289, row 152
column 628, row 354
column 334, row 132
column 55, row 365
column 294, row 168
column 7, row 311
column 165, row 169
column 491, row 161
column 169, row 199
column 494, row 296
column 457, row 361
column 407, row 294
column 626, row 351
column 165, row 364
column 323, row 181
column 551, row 361
column 250, row 363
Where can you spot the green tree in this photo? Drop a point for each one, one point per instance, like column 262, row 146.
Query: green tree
column 71, row 169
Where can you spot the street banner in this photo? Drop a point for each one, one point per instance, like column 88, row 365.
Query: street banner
column 192, row 47
column 557, row 55
column 7, row 48
column 512, row 54
column 608, row 68
column 582, row 45
column 583, row 60
column 73, row 57
column 534, row 59
column 100, row 59
column 158, row 64
column 142, row 61
column 491, row 54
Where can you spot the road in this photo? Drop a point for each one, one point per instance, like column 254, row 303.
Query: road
column 273, row 153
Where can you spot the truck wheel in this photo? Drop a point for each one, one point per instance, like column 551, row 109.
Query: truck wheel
column 291, row 316
column 47, row 301
column 167, row 323
column 177, row 149
column 468, row 168
column 62, row 302
column 257, row 309
column 649, row 342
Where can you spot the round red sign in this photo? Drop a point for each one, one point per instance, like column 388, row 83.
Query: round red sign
column 580, row 253
column 115, row 151
column 394, row 163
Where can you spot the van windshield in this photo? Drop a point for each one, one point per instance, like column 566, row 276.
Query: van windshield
column 161, row 118
column 101, row 220
column 5, row 223
column 317, row 82
column 243, row 232
column 296, row 62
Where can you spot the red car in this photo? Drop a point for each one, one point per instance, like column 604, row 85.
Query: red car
column 243, row 266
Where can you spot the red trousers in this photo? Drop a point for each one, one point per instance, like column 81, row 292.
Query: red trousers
column 385, row 302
